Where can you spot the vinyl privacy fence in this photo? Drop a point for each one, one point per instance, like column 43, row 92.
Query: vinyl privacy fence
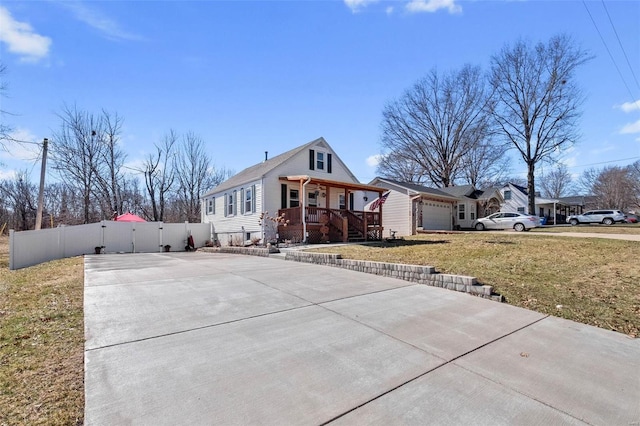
column 28, row 248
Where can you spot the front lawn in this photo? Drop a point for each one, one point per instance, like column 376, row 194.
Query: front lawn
column 41, row 342
column 590, row 280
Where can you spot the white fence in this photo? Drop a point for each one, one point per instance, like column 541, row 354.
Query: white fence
column 28, row 248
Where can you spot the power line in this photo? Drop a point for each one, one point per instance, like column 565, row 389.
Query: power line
column 608, row 51
column 620, row 43
column 587, row 165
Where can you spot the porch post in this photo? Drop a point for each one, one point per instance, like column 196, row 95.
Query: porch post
column 366, row 226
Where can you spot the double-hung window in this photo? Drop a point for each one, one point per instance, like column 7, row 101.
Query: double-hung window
column 248, row 200
column 211, row 206
column 320, row 160
column 294, row 198
column 230, row 200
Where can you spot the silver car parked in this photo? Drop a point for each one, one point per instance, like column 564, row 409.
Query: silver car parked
column 507, row 220
column 607, row 217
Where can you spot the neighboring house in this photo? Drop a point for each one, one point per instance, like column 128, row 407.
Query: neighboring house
column 410, row 208
column 309, row 188
column 473, row 203
column 555, row 210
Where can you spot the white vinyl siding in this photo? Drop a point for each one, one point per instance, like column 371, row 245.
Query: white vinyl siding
column 518, row 200
column 397, row 214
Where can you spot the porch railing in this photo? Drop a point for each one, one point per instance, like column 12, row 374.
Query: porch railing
column 342, row 223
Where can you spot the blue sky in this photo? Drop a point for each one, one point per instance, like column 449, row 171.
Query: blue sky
column 255, row 76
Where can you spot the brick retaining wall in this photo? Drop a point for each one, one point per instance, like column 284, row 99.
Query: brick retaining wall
column 414, row 273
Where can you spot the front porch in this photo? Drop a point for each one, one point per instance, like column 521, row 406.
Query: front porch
column 322, row 225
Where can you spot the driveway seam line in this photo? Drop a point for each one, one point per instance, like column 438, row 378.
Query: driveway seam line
column 199, row 328
column 520, row 393
column 451, row 361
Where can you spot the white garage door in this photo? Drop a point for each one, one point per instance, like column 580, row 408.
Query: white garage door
column 436, row 216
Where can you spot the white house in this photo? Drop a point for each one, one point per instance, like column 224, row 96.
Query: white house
column 473, row 203
column 307, row 188
column 516, row 200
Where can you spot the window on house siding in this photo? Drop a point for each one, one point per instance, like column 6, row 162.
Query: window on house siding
column 520, row 209
column 320, row 160
column 507, row 194
column 249, row 199
column 342, row 205
column 230, row 200
column 460, row 211
column 211, row 205
column 313, row 199
column 294, row 198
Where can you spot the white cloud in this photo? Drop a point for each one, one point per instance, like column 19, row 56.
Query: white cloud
column 22, row 146
column 389, row 10
column 357, row 5
column 95, row 19
column 374, row 160
column 430, row 6
column 631, row 128
column 21, row 38
column 630, row 106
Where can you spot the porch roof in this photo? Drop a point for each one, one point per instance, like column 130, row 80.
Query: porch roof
column 334, row 183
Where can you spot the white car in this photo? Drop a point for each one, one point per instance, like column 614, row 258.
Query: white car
column 607, row 217
column 507, row 220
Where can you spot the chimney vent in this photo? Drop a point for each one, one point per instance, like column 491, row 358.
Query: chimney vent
column 266, row 155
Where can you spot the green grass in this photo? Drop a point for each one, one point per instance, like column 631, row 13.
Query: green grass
column 590, row 280
column 41, row 343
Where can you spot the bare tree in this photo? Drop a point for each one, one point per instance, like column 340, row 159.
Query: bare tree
column 76, row 153
column 402, row 169
column 557, row 182
column 159, row 175
column 615, row 187
column 436, row 123
column 20, row 196
column 109, row 175
column 538, row 99
column 485, row 164
column 195, row 174
column 86, row 154
column 5, row 129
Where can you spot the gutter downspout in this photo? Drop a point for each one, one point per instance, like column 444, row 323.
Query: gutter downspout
column 304, row 216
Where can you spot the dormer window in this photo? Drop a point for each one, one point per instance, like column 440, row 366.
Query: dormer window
column 320, row 161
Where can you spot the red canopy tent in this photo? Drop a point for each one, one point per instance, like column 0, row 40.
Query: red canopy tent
column 129, row 217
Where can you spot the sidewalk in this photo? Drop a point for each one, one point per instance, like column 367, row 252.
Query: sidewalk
column 197, row 338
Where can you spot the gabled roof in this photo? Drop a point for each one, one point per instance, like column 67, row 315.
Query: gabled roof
column 418, row 189
column 520, row 188
column 460, row 191
column 488, row 193
column 257, row 171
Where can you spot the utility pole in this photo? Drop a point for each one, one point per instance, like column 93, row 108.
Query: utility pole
column 41, row 192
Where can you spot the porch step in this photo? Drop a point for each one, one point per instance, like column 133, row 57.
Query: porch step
column 355, row 237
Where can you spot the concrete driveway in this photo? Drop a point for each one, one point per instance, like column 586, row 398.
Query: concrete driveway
column 200, row 339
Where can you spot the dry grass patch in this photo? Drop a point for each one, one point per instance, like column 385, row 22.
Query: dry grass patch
column 41, row 342
column 594, row 281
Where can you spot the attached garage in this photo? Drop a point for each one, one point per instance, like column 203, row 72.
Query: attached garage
column 436, row 216
column 411, row 208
